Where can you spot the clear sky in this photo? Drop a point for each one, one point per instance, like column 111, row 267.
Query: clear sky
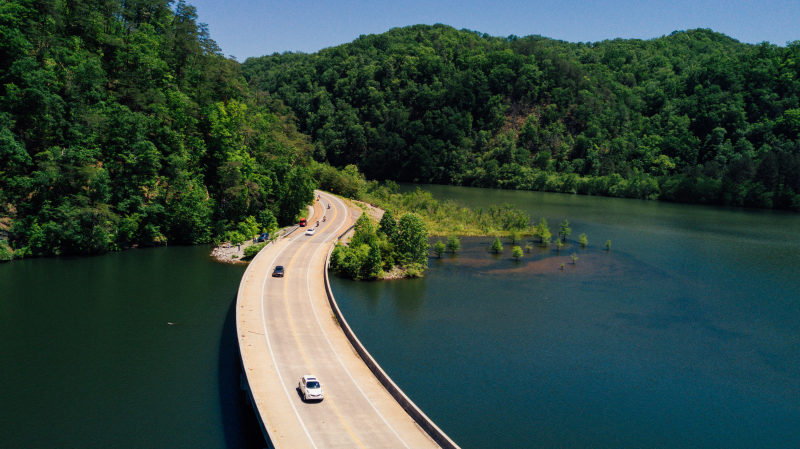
column 245, row 28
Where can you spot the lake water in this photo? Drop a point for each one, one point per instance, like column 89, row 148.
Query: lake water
column 88, row 358
column 685, row 334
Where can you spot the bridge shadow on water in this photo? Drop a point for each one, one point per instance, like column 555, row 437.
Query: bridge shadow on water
column 241, row 428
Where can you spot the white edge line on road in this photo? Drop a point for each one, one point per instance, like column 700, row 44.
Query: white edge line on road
column 272, row 354
column 319, row 323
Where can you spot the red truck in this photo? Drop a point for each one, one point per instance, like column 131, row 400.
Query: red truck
column 302, row 222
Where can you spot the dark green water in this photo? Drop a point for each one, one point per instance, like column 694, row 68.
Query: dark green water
column 686, row 334
column 88, row 359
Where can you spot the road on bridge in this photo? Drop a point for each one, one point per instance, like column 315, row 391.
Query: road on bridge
column 286, row 329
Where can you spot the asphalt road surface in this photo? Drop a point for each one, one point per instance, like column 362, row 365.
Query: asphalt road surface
column 287, row 329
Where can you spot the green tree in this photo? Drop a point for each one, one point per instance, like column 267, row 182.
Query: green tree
column 608, row 245
column 411, row 241
column 371, row 267
column 6, row 253
column 564, row 230
column 364, row 232
column 453, row 244
column 439, row 248
column 497, row 246
column 574, row 258
column 388, row 225
column 583, row 240
column 516, row 252
column 543, row 232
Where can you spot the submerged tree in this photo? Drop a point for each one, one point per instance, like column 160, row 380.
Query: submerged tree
column 516, row 252
column 564, row 230
column 453, row 244
column 497, row 246
column 583, row 240
column 543, row 232
column 439, row 248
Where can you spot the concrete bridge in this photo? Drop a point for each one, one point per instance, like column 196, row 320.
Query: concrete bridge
column 291, row 326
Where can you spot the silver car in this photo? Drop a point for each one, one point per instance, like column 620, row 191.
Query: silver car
column 310, row 388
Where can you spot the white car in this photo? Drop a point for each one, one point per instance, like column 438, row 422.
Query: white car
column 310, row 231
column 310, row 388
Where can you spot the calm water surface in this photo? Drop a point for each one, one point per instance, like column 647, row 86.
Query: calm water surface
column 685, row 334
column 88, row 359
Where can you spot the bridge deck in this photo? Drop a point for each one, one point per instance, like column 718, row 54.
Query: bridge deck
column 286, row 329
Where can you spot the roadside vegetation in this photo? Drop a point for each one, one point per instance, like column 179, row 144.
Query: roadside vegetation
column 392, row 249
column 371, row 254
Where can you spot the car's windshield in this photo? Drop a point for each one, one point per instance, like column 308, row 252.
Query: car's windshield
column 312, row 384
column 279, row 268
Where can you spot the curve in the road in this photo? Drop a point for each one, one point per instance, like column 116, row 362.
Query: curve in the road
column 280, row 339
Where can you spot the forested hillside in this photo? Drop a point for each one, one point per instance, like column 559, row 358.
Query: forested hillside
column 695, row 116
column 122, row 124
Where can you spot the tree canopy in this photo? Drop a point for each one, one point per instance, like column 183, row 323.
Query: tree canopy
column 694, row 116
column 122, row 124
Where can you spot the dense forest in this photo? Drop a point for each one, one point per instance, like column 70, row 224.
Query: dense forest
column 122, row 124
column 695, row 116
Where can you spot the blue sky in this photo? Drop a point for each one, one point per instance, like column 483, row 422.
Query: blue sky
column 245, row 28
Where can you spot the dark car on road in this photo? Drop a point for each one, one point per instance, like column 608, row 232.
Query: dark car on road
column 278, row 271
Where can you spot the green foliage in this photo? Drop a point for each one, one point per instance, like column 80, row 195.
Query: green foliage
column 447, row 217
column 388, row 225
column 411, row 240
column 542, row 230
column 122, row 124
column 249, row 227
column 497, row 246
column 370, row 252
column 516, row 252
column 564, row 230
column 514, row 236
column 694, row 116
column 439, row 248
column 559, row 245
column 235, row 237
column 583, row 240
column 453, row 244
column 574, row 258
column 252, row 250
column 528, row 247
column 6, row 253
column 347, row 182
column 608, row 245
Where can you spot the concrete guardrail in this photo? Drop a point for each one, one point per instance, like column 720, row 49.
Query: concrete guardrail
column 421, row 419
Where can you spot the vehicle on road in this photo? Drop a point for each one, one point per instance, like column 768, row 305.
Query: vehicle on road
column 278, row 271
column 302, row 222
column 310, row 231
column 263, row 237
column 310, row 388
